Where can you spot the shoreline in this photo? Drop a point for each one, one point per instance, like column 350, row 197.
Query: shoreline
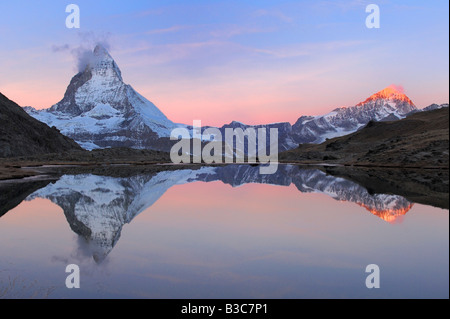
column 16, row 171
column 429, row 186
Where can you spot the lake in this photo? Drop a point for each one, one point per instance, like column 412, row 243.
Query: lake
column 218, row 232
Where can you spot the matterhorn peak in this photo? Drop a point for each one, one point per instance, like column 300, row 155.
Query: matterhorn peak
column 100, row 63
column 392, row 92
column 100, row 55
column 101, row 50
column 99, row 110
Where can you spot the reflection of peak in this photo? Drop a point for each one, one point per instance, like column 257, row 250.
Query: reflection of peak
column 390, row 215
column 97, row 207
column 316, row 181
column 345, row 190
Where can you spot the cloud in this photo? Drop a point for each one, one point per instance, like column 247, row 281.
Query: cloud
column 344, row 5
column 233, row 30
column 91, row 38
column 83, row 57
column 309, row 49
column 176, row 54
column 273, row 13
column 151, row 12
column 60, row 48
column 175, row 28
column 83, row 53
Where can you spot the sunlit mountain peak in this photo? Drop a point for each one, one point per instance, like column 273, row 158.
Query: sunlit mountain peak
column 392, row 92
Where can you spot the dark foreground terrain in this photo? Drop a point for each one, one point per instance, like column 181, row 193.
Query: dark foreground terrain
column 26, row 166
column 21, row 134
column 423, row 186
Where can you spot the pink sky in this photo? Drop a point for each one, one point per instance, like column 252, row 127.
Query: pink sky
column 248, row 95
column 255, row 63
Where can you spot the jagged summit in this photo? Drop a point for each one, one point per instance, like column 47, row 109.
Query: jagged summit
column 389, row 93
column 387, row 104
column 99, row 83
column 99, row 110
column 100, row 50
column 102, row 64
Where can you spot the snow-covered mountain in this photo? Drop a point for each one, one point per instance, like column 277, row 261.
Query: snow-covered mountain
column 99, row 110
column 387, row 104
column 97, row 207
column 435, row 107
column 284, row 129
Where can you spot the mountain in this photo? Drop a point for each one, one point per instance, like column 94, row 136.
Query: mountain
column 99, row 110
column 97, row 207
column 284, row 130
column 420, row 140
column 387, row 103
column 435, row 107
column 22, row 135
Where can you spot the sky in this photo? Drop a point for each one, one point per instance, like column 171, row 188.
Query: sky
column 255, row 62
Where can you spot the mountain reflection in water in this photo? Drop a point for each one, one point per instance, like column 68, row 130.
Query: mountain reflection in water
column 96, row 207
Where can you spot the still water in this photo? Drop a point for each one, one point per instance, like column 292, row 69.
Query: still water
column 223, row 232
